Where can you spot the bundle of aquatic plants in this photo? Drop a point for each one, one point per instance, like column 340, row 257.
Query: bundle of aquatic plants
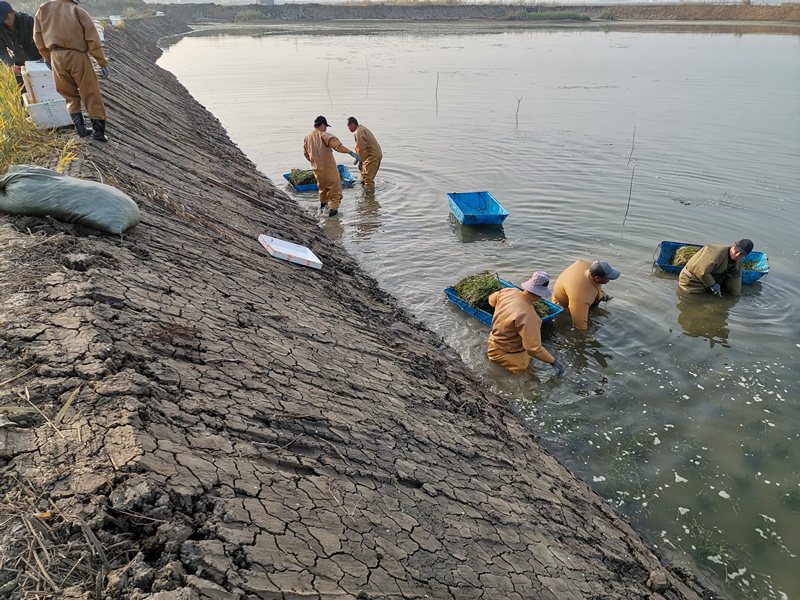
column 302, row 177
column 750, row 265
column 683, row 254
column 541, row 308
column 476, row 289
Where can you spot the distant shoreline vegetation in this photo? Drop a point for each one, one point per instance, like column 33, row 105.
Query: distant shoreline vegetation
column 549, row 15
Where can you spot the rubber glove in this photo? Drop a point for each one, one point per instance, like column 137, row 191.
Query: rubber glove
column 356, row 156
column 715, row 289
column 103, row 72
column 605, row 297
column 360, row 165
column 557, row 366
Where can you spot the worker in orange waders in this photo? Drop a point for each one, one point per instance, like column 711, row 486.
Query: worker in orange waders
column 516, row 328
column 66, row 36
column 318, row 147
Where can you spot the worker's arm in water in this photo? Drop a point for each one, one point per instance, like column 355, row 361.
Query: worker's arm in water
column 529, row 328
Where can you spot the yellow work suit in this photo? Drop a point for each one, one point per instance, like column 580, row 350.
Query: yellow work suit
column 65, row 34
column 712, row 264
column 369, row 150
column 516, row 331
column 318, row 149
column 576, row 290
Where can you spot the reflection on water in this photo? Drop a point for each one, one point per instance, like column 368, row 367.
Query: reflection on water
column 685, row 415
column 369, row 218
column 476, row 233
column 701, row 315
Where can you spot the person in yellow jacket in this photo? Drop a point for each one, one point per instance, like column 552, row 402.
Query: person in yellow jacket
column 516, row 328
column 318, row 149
column 714, row 268
column 369, row 150
column 66, row 36
column 579, row 287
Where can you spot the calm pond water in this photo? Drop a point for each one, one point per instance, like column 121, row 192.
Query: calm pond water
column 682, row 414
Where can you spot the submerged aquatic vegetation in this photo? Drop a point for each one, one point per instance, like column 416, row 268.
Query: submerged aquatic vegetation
column 302, row 177
column 476, row 289
column 683, row 254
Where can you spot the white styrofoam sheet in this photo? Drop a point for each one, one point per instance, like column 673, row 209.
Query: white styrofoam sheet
column 48, row 114
column 288, row 251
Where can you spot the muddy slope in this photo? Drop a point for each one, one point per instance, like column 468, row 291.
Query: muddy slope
column 222, row 424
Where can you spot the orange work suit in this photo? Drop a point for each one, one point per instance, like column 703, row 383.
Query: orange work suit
column 516, row 331
column 576, row 291
column 318, row 149
column 369, row 151
column 65, row 34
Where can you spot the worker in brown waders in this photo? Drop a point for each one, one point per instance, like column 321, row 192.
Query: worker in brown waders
column 579, row 288
column 318, row 149
column 66, row 36
column 715, row 268
column 516, row 328
column 369, row 150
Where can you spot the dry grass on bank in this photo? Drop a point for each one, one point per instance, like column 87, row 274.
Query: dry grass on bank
column 20, row 141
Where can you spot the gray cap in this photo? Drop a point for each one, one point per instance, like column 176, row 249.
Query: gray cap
column 603, row 269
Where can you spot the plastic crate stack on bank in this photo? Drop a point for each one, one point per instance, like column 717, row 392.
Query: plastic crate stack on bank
column 45, row 105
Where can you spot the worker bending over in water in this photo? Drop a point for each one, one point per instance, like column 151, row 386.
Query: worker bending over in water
column 318, row 147
column 516, row 328
column 715, row 268
column 369, row 150
column 579, row 287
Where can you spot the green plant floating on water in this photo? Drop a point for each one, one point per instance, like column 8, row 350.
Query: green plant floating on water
column 302, row 177
column 683, row 254
column 476, row 289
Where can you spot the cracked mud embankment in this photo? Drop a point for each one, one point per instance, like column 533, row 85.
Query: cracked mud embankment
column 226, row 425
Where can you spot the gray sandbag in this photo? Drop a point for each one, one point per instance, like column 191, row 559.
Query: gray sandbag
column 36, row 191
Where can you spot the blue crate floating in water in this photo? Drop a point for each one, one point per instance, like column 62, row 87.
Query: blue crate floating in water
column 347, row 180
column 483, row 316
column 476, row 208
column 667, row 252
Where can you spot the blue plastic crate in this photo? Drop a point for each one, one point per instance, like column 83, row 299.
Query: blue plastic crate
column 476, row 208
column 347, row 180
column 483, row 316
column 667, row 252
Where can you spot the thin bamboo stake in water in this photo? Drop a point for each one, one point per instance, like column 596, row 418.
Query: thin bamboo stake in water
column 630, row 189
column 437, row 93
column 519, row 99
column 633, row 141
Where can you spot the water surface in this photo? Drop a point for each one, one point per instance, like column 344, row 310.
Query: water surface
column 683, row 413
